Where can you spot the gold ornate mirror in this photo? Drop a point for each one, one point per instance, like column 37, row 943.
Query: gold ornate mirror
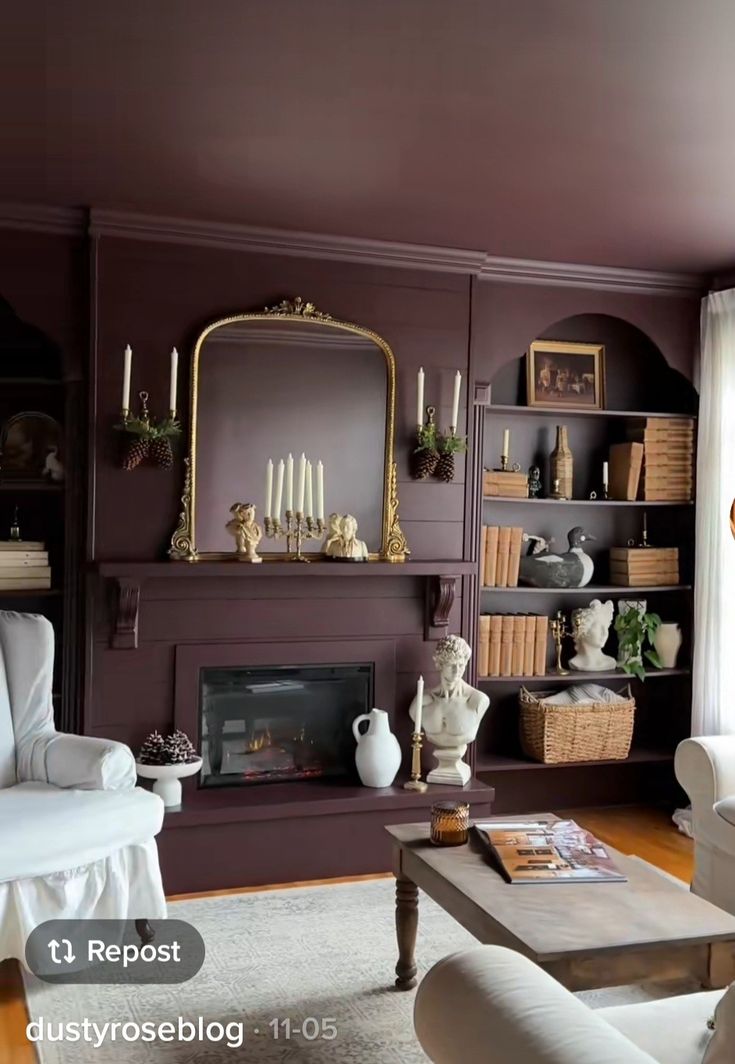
column 290, row 381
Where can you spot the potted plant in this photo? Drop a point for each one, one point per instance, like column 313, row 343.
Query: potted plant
column 636, row 629
column 167, row 761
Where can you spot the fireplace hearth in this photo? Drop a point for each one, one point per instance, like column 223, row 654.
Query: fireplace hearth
column 277, row 723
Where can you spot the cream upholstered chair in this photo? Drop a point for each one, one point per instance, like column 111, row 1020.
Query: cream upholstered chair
column 705, row 767
column 490, row 1005
column 77, row 837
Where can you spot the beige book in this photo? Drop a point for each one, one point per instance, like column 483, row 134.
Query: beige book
column 633, row 554
column 645, row 580
column 501, row 579
column 20, row 545
column 19, row 572
column 506, row 646
column 514, row 556
column 483, row 657
column 491, row 557
column 519, row 642
column 483, row 551
column 540, row 649
column 626, row 460
column 19, row 560
column 529, row 646
column 496, row 622
column 24, row 583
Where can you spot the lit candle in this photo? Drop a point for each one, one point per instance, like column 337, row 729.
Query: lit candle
column 268, row 487
column 455, row 399
column 174, row 380
column 301, row 485
column 279, row 490
column 605, row 475
column 419, row 704
column 127, row 366
column 289, row 484
column 309, row 492
column 320, row 490
column 505, row 453
column 420, row 398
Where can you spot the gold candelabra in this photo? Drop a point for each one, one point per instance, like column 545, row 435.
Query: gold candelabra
column 297, row 528
column 559, row 630
column 416, row 783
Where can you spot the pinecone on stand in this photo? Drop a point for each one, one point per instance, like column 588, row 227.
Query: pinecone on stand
column 444, row 469
column 160, row 452
column 448, row 445
column 424, row 462
column 136, row 451
column 152, row 750
column 178, row 749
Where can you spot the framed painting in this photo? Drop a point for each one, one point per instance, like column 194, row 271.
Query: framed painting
column 565, row 374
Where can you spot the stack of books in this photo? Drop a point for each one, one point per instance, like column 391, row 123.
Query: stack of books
column 504, row 483
column 24, row 566
column 512, row 645
column 644, row 566
column 668, row 460
column 500, row 556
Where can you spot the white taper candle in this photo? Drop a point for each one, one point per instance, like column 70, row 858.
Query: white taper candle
column 289, row 483
column 309, row 511
column 320, row 490
column 127, row 367
column 419, row 704
column 420, row 398
column 174, row 379
column 268, row 487
column 279, row 491
column 455, row 399
column 605, row 475
column 301, row 484
column 506, row 443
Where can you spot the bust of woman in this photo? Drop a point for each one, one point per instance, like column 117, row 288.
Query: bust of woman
column 341, row 541
column 591, row 629
column 451, row 712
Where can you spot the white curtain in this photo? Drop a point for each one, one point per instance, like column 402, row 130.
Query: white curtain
column 713, row 708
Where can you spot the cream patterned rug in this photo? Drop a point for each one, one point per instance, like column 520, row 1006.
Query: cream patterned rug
column 324, row 955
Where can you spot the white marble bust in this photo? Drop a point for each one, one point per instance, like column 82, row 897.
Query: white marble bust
column 451, row 712
column 591, row 629
column 341, row 540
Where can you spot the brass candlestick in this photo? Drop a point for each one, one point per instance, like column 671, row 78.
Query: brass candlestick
column 416, row 783
column 298, row 527
column 559, row 630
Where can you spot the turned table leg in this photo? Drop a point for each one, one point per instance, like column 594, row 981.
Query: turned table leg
column 407, row 920
column 145, row 932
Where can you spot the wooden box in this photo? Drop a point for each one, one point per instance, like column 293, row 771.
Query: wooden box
column 509, row 485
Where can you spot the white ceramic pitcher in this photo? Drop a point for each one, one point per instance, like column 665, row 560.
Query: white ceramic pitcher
column 378, row 754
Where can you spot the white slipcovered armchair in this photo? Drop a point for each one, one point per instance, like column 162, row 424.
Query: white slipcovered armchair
column 77, row 837
column 705, row 767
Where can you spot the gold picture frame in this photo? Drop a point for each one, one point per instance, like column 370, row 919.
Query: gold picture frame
column 561, row 374
column 394, row 547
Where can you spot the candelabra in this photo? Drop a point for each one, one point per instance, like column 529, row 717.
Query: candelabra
column 559, row 630
column 147, row 439
column 298, row 527
column 416, row 783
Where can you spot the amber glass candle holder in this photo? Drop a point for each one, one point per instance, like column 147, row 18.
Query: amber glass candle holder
column 450, row 823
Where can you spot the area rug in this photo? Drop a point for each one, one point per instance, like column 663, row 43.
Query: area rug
column 324, row 955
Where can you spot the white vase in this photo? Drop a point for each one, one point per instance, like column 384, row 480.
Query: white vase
column 667, row 642
column 168, row 779
column 378, row 754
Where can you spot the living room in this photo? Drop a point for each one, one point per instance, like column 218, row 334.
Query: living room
column 444, row 293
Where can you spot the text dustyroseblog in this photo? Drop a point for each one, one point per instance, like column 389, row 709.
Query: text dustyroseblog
column 232, row 1034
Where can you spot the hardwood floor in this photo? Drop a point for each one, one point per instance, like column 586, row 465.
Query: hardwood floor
column 645, row 831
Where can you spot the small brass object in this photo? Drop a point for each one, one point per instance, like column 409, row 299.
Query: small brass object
column 416, row 783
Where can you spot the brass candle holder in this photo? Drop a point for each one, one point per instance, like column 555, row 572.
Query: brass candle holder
column 416, row 783
column 146, row 439
column 298, row 527
column 559, row 631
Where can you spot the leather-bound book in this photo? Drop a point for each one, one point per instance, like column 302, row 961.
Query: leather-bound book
column 496, row 622
column 491, row 556
column 514, row 556
column 506, row 646
column 503, row 556
column 519, row 644
column 483, row 552
column 529, row 646
column 483, row 657
column 626, row 461
column 541, row 646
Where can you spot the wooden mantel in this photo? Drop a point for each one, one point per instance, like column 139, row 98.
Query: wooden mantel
column 128, row 579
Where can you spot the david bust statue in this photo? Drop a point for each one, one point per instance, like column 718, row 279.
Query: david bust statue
column 591, row 629
column 451, row 712
column 247, row 532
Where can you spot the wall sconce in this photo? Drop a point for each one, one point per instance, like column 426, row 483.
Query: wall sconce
column 147, row 440
column 435, row 450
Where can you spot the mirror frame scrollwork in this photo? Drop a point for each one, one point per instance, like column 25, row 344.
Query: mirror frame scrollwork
column 183, row 541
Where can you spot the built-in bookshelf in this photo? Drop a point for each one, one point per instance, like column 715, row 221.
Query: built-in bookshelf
column 638, row 388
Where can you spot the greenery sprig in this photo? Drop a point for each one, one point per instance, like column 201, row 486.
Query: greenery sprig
column 635, row 629
column 449, row 444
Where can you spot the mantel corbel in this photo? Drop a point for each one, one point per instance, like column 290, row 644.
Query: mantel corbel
column 440, row 594
column 125, row 612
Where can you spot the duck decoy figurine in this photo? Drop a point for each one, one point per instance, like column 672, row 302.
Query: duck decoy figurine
column 571, row 569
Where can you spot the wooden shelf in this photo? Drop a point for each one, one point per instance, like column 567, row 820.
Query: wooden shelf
column 228, row 568
column 590, row 589
column 41, row 486
column 587, row 502
column 501, row 763
column 510, row 410
column 579, row 677
column 30, row 592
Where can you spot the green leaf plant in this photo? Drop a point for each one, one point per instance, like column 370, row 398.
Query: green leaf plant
column 450, row 444
column 635, row 631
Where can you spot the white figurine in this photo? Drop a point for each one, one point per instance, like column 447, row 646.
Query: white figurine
column 342, row 542
column 591, row 629
column 246, row 530
column 451, row 712
column 53, row 467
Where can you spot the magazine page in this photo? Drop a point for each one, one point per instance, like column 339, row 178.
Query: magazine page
column 549, row 852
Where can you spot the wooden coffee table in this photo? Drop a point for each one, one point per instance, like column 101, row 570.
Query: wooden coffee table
column 585, row 934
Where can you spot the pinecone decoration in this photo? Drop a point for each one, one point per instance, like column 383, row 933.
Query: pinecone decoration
column 178, row 749
column 152, row 750
column 445, row 467
column 160, row 452
column 425, row 461
column 135, row 452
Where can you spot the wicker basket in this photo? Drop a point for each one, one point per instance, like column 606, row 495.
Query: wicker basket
column 590, row 731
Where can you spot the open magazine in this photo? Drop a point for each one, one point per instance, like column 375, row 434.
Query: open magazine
column 560, row 852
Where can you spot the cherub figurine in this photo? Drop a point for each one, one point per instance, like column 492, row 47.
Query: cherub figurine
column 246, row 531
column 342, row 542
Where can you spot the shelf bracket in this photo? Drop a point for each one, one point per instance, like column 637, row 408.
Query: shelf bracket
column 125, row 612
column 440, row 594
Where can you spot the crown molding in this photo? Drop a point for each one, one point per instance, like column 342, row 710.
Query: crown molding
column 609, row 278
column 62, row 221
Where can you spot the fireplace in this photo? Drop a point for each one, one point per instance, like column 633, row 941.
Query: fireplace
column 265, row 724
